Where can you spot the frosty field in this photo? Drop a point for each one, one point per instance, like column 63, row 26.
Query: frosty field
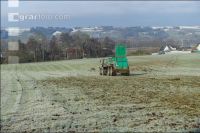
column 161, row 94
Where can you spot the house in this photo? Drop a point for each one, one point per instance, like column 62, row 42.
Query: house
column 166, row 49
column 196, row 49
column 3, row 57
column 170, row 50
column 57, row 33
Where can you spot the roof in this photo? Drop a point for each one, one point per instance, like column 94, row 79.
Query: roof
column 57, row 33
column 167, row 48
column 198, row 47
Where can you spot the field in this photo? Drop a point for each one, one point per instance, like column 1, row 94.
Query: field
column 162, row 94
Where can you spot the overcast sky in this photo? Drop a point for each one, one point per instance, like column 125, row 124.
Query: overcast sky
column 107, row 13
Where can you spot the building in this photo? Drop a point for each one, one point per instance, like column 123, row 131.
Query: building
column 166, row 49
column 196, row 49
column 3, row 57
column 57, row 33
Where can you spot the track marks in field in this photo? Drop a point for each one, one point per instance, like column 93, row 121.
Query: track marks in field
column 94, row 103
column 135, row 107
column 27, row 107
column 123, row 89
column 11, row 93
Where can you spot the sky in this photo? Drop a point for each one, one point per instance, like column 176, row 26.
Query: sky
column 105, row 13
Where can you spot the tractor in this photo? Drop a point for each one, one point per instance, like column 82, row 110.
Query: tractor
column 113, row 65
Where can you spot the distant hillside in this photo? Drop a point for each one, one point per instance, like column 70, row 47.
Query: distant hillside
column 183, row 35
column 186, row 36
column 49, row 31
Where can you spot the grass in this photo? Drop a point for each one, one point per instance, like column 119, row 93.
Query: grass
column 68, row 96
column 120, row 90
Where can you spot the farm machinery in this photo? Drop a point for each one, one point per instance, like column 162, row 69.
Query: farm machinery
column 113, row 65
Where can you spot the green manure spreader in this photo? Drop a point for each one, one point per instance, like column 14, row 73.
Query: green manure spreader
column 114, row 65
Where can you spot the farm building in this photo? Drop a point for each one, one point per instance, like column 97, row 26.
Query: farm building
column 170, row 50
column 57, row 33
column 3, row 57
column 166, row 49
column 196, row 49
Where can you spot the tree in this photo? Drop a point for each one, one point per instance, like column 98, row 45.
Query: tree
column 34, row 47
column 53, row 48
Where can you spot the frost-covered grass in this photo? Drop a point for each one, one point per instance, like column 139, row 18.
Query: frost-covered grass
column 179, row 64
column 161, row 94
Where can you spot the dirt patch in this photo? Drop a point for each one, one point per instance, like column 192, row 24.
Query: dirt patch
column 161, row 95
column 181, row 94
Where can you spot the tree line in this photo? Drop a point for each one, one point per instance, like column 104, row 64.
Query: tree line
column 38, row 48
column 42, row 48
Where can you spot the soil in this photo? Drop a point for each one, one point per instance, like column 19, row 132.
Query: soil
column 162, row 94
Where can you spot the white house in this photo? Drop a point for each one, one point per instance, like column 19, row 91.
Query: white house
column 198, row 47
column 57, row 33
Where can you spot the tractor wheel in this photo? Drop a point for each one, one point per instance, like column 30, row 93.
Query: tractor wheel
column 113, row 72
column 100, row 71
column 125, row 74
column 128, row 73
column 105, row 71
column 108, row 71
